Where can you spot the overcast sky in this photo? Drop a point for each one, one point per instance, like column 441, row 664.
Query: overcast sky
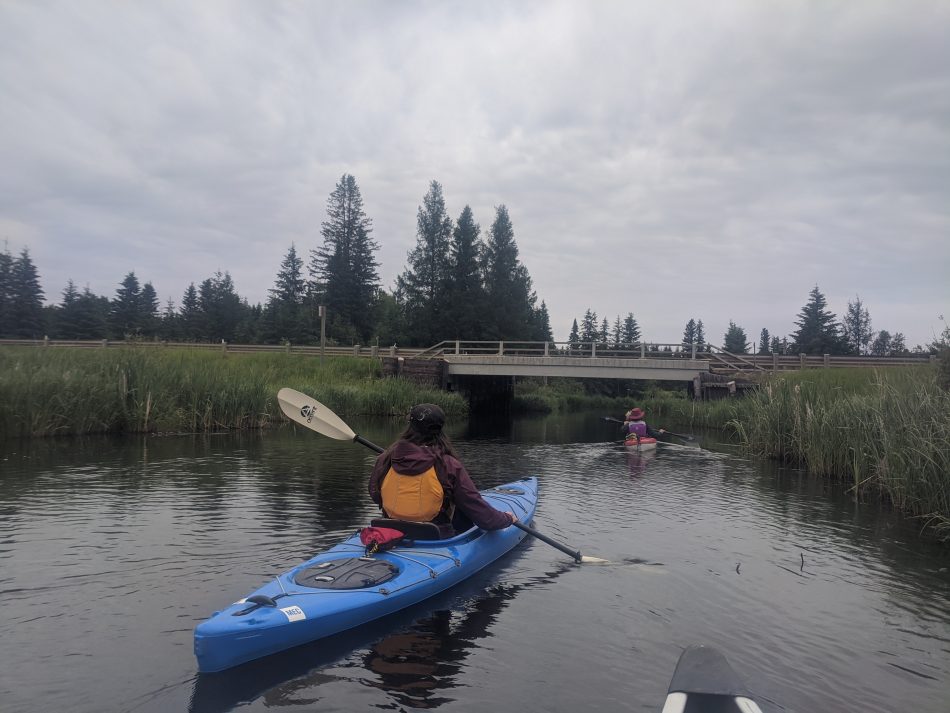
column 671, row 159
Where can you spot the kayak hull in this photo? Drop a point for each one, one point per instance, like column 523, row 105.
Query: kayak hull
column 704, row 682
column 285, row 613
column 644, row 444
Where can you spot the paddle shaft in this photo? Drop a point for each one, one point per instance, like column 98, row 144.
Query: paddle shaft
column 544, row 538
column 678, row 435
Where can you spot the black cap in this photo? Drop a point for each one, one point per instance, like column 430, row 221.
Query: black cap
column 427, row 418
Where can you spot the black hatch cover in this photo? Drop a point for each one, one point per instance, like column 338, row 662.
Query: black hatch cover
column 350, row 573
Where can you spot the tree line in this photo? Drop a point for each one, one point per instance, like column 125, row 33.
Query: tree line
column 458, row 282
column 818, row 331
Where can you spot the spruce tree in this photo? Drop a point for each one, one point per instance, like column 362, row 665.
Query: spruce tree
column 343, row 271
column 776, row 345
column 26, row 299
column 700, row 336
column 817, row 331
column 148, row 325
column 220, row 308
column 603, row 334
column 589, row 326
column 689, row 335
column 285, row 316
column 125, row 317
column 465, row 297
column 575, row 336
column 631, row 330
column 856, row 327
column 735, row 340
column 423, row 287
column 616, row 335
column 764, row 341
column 190, row 315
column 509, row 296
column 6, row 293
column 66, row 316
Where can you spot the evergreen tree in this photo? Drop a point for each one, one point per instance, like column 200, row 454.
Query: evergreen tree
column 735, row 340
column 603, row 335
column 589, row 326
column 817, row 331
column 616, row 335
column 700, row 336
column 509, row 296
column 149, row 311
column 776, row 345
column 90, row 315
column 66, row 327
column 125, row 318
column 6, row 293
column 631, row 330
column 575, row 336
column 286, row 315
column 190, row 319
column 344, row 271
column 856, row 327
column 423, row 287
column 689, row 335
column 465, row 296
column 220, row 308
column 26, row 299
column 543, row 320
column 764, row 341
column 169, row 323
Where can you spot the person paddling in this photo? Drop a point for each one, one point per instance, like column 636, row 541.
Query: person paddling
column 420, row 478
column 634, row 425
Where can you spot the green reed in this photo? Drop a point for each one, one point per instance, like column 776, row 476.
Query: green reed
column 51, row 391
column 887, row 432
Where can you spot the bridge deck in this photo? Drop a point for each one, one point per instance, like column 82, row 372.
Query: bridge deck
column 575, row 367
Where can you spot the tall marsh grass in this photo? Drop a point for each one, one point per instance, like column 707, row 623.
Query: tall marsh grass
column 50, row 391
column 887, row 432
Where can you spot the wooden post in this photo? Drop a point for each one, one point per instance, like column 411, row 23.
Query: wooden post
column 356, row 350
column 457, row 347
column 392, row 350
column 732, row 387
column 698, row 387
column 774, row 361
column 501, row 348
column 287, row 347
column 643, row 350
column 224, row 347
column 827, row 361
column 322, row 310
column 801, row 360
column 546, row 353
column 105, row 343
column 593, row 349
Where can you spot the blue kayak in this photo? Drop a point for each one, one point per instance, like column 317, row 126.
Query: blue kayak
column 704, row 682
column 344, row 587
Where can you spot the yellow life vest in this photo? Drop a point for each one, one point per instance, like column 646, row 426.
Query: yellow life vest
column 412, row 497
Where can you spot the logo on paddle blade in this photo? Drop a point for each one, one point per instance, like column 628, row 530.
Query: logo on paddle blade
column 308, row 412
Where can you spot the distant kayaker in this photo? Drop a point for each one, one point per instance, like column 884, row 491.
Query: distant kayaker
column 634, row 425
column 420, row 478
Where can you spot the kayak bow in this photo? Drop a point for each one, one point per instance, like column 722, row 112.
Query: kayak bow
column 704, row 682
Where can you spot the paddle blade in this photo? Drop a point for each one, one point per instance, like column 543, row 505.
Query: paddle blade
column 312, row 414
column 585, row 559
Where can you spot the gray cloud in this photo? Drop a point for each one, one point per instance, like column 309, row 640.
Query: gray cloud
column 674, row 160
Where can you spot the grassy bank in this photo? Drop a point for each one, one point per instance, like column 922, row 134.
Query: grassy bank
column 71, row 391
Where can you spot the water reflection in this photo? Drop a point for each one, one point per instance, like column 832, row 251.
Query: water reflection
column 637, row 461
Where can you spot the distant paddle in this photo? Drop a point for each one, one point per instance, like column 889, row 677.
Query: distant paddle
column 312, row 414
column 684, row 436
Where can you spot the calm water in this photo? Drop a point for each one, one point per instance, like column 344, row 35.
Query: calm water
column 112, row 551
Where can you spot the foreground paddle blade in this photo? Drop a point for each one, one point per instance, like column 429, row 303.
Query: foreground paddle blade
column 309, row 412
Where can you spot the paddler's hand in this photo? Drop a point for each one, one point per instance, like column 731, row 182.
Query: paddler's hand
column 512, row 517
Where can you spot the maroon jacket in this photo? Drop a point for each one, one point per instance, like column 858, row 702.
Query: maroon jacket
column 409, row 459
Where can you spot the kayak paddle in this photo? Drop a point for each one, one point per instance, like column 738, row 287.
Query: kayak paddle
column 678, row 435
column 312, row 414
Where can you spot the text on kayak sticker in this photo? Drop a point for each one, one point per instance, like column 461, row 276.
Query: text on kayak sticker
column 294, row 613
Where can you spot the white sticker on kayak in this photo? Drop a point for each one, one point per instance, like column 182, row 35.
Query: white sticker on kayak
column 294, row 613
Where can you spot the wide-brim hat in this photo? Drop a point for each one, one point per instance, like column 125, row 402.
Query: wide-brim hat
column 635, row 414
column 426, row 418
